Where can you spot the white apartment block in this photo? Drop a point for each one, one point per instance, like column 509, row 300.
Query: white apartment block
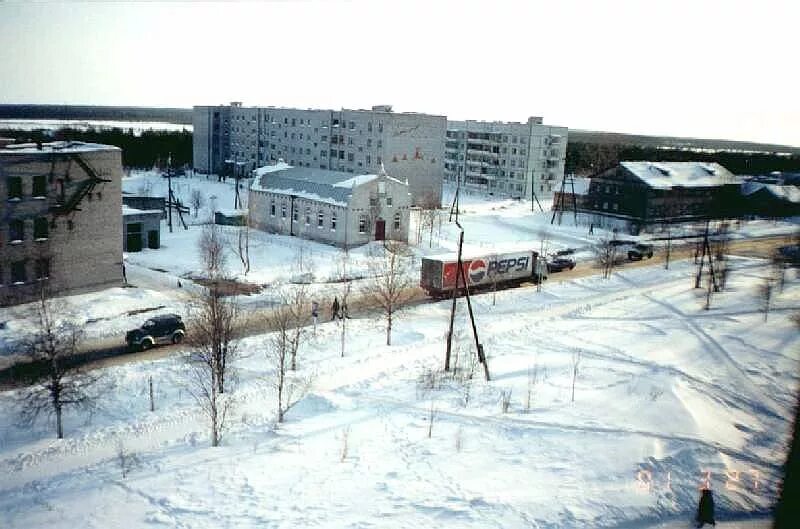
column 507, row 159
column 409, row 146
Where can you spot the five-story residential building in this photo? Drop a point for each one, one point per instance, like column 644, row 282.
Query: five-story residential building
column 511, row 159
column 409, row 146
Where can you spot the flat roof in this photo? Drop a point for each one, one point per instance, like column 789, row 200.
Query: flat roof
column 55, row 147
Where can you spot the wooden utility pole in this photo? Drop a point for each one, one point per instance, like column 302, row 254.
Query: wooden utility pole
column 169, row 188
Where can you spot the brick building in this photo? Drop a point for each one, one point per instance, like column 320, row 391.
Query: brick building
column 60, row 219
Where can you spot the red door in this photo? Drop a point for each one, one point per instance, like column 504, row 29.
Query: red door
column 380, row 230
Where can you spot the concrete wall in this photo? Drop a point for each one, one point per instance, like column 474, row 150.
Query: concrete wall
column 150, row 222
column 85, row 247
column 355, row 141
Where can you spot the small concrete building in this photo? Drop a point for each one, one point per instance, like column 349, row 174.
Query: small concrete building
column 141, row 229
column 60, row 221
column 145, row 202
column 334, row 207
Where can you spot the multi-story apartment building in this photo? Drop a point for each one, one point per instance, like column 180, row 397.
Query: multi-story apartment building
column 512, row 159
column 409, row 146
column 60, row 218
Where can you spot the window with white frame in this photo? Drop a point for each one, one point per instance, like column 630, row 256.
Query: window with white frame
column 397, row 221
column 320, row 219
column 362, row 224
column 333, row 221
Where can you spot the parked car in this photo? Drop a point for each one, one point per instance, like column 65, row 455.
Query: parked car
column 566, row 251
column 157, row 330
column 640, row 251
column 557, row 264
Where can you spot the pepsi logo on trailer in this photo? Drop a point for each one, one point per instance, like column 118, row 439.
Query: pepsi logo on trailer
column 477, row 270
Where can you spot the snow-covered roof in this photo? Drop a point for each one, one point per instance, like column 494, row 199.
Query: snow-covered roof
column 332, row 187
column 666, row 175
column 232, row 212
column 127, row 210
column 55, row 146
column 788, row 193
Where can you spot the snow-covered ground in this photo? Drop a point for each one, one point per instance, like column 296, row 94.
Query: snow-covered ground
column 668, row 397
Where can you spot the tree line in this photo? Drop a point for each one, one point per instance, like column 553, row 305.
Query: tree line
column 585, row 159
column 149, row 148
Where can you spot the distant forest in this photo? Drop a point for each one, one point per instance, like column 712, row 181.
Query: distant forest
column 150, row 148
column 585, row 159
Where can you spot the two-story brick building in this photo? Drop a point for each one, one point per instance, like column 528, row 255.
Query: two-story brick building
column 60, row 222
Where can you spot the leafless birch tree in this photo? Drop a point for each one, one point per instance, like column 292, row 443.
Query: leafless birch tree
column 64, row 384
column 197, row 200
column 390, row 282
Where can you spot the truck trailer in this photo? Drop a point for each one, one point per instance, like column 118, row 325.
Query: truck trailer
column 439, row 273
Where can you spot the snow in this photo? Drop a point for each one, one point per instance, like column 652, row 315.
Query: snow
column 665, row 392
column 665, row 175
column 356, row 180
column 789, row 193
column 55, row 146
column 127, row 210
column 54, row 124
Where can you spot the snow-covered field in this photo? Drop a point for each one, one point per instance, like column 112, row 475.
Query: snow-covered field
column 668, row 396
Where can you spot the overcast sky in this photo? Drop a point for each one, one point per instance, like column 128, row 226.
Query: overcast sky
column 725, row 69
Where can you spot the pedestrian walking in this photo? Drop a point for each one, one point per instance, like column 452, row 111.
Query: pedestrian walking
column 335, row 308
column 705, row 510
column 314, row 314
column 124, row 275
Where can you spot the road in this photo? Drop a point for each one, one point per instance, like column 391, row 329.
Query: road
column 112, row 351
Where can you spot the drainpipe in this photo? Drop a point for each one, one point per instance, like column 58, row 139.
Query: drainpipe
column 291, row 216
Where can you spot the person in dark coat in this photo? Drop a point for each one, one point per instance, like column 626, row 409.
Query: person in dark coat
column 335, row 308
column 705, row 510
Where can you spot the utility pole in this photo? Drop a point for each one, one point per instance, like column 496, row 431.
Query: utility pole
column 169, row 187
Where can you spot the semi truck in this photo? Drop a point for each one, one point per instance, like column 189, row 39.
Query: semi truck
column 439, row 273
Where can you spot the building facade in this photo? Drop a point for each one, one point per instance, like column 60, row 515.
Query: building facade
column 409, row 145
column 507, row 159
column 60, row 221
column 333, row 207
column 141, row 228
column 652, row 193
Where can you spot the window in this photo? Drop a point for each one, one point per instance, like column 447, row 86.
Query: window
column 380, row 144
column 43, row 268
column 16, row 230
column 294, row 214
column 369, row 126
column 362, row 224
column 373, row 201
column 380, row 127
column 369, row 142
column 308, row 215
column 283, row 210
column 388, row 202
column 70, row 225
column 397, row 221
column 39, row 185
column 369, row 159
column 40, row 228
column 333, row 221
column 352, row 125
column 18, row 274
column 14, row 187
column 320, row 219
column 350, row 156
column 272, row 208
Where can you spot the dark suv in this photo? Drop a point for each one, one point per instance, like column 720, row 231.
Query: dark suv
column 640, row 251
column 157, row 330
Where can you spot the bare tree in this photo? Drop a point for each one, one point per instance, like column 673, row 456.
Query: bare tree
column 197, row 200
column 280, row 348
column 428, row 222
column 126, row 459
column 390, row 282
column 544, row 238
column 52, row 347
column 239, row 243
column 605, row 255
column 215, row 326
column 576, row 362
column 765, row 293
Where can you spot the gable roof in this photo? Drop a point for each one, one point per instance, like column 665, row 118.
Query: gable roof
column 332, row 187
column 666, row 175
column 786, row 193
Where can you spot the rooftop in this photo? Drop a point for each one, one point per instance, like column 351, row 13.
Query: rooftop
column 54, row 147
column 666, row 175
